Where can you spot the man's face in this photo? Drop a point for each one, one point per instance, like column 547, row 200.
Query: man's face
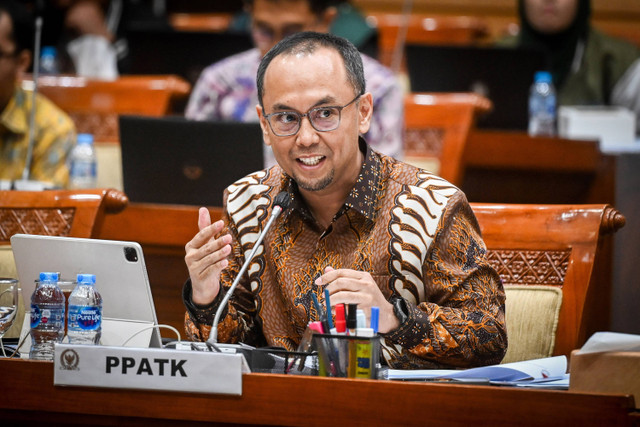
column 550, row 16
column 325, row 163
column 273, row 20
column 10, row 61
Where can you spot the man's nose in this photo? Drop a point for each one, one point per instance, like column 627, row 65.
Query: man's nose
column 307, row 135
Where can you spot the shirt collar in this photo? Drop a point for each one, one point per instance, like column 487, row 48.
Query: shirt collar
column 362, row 197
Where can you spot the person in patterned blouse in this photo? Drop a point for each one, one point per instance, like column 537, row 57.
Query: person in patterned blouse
column 226, row 90
column 54, row 132
column 371, row 229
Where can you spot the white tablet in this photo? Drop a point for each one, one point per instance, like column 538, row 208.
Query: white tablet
column 121, row 279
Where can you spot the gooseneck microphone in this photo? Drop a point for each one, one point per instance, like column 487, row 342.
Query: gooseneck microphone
column 280, row 203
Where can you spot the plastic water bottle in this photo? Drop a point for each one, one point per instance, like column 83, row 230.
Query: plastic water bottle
column 542, row 106
column 47, row 317
column 49, row 60
column 85, row 312
column 83, row 163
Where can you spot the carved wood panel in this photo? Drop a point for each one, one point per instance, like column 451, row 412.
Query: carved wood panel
column 425, row 142
column 520, row 267
column 50, row 222
column 103, row 126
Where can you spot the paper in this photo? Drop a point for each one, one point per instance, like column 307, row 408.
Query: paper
column 611, row 341
column 536, row 369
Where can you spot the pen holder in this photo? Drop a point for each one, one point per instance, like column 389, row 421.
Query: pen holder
column 347, row 356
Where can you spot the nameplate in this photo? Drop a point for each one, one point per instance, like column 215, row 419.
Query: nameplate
column 149, row 369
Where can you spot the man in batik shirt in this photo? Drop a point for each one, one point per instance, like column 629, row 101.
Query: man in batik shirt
column 372, row 230
column 226, row 91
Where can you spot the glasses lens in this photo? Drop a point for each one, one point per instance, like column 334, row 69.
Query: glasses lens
column 285, row 123
column 325, row 119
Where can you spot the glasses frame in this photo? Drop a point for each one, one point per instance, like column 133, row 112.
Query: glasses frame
column 307, row 115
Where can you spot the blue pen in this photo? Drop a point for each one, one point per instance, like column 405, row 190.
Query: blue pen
column 375, row 315
column 316, row 304
column 328, row 304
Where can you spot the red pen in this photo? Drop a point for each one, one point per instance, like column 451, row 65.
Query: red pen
column 341, row 324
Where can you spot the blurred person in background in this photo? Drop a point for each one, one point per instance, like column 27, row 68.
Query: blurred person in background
column 226, row 90
column 588, row 67
column 54, row 132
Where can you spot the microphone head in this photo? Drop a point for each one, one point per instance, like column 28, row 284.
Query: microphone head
column 283, row 200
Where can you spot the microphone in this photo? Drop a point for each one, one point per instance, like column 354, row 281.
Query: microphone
column 280, row 203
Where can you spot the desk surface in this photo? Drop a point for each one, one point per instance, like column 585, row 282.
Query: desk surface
column 290, row 400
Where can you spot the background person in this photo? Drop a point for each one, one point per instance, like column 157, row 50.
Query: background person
column 54, row 130
column 588, row 67
column 227, row 90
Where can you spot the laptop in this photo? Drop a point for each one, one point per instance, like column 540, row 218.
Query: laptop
column 185, row 53
column 504, row 75
column 128, row 312
column 178, row 161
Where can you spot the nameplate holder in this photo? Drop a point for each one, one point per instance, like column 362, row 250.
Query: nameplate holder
column 148, row 369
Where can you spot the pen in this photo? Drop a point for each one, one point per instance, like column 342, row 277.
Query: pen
column 328, row 304
column 352, row 319
column 375, row 315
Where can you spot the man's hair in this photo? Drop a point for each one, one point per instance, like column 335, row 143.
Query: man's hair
column 22, row 22
column 316, row 6
column 307, row 42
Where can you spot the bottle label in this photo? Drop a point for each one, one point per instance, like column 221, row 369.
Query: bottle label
column 80, row 168
column 49, row 317
column 84, row 317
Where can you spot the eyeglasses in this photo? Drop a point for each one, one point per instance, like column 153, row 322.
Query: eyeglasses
column 323, row 119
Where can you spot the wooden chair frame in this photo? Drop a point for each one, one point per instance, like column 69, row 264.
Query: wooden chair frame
column 565, row 246
column 74, row 213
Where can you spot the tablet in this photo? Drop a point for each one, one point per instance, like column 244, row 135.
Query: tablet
column 121, row 279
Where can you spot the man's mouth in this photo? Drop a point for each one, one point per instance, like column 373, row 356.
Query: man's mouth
column 310, row 161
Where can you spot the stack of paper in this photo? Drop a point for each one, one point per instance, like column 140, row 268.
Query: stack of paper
column 549, row 372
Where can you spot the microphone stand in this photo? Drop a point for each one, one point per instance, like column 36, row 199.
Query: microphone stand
column 25, row 183
column 281, row 202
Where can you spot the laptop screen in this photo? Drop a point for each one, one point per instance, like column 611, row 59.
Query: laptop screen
column 503, row 75
column 178, row 161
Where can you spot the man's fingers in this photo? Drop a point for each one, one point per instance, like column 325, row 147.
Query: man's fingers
column 204, row 218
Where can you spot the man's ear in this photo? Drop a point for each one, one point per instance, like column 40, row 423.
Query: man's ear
column 24, row 60
column 264, row 125
column 365, row 112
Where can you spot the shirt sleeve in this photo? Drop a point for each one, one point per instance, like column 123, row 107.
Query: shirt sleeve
column 56, row 137
column 461, row 323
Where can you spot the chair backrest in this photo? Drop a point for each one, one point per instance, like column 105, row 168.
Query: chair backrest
column 424, row 29
column 94, row 105
column 73, row 213
column 560, row 246
column 437, row 126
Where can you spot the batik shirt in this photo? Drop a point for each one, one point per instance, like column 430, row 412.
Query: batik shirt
column 54, row 137
column 412, row 231
column 227, row 91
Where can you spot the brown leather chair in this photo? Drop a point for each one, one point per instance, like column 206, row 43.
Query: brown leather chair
column 559, row 246
column 437, row 126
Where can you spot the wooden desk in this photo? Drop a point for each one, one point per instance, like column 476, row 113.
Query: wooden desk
column 511, row 167
column 290, row 400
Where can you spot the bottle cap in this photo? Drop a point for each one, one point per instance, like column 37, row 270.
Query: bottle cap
column 48, row 51
column 341, row 324
column 542, row 77
column 85, row 138
column 86, row 279
column 49, row 277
